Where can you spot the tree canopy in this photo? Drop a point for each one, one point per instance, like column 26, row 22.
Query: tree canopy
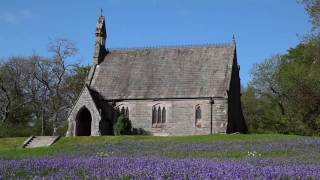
column 37, row 92
column 283, row 95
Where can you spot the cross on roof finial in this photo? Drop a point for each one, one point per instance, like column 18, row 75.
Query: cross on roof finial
column 101, row 11
column 233, row 38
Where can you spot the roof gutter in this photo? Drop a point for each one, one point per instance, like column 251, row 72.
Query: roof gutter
column 170, row 98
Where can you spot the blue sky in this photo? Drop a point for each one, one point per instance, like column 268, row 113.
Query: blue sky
column 262, row 27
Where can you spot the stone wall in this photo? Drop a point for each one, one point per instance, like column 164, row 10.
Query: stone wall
column 180, row 116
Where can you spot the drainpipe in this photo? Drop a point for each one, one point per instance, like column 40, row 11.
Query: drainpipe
column 211, row 104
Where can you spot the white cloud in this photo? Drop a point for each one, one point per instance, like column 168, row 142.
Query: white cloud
column 15, row 17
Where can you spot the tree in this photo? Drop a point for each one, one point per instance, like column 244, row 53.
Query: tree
column 37, row 92
column 16, row 89
column 53, row 74
column 300, row 79
column 283, row 95
column 313, row 9
column 265, row 81
column 75, row 83
column 262, row 113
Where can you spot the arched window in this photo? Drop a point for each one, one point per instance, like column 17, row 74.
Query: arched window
column 117, row 110
column 122, row 111
column 198, row 116
column 164, row 116
column 159, row 115
column 154, row 115
column 127, row 113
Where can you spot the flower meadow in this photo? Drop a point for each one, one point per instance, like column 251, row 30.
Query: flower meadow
column 152, row 168
column 286, row 158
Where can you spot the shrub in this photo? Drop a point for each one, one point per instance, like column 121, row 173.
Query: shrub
column 17, row 130
column 122, row 126
column 140, row 131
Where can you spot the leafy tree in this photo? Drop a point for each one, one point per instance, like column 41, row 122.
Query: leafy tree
column 284, row 95
column 262, row 113
column 300, row 79
column 313, row 9
column 265, row 81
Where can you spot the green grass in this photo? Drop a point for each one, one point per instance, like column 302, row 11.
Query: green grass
column 66, row 141
column 11, row 143
column 10, row 148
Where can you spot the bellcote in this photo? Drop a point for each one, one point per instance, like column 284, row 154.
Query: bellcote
column 100, row 44
column 101, row 34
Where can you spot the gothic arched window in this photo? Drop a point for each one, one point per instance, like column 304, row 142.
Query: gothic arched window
column 154, row 115
column 159, row 115
column 198, row 116
column 164, row 116
column 122, row 111
column 126, row 114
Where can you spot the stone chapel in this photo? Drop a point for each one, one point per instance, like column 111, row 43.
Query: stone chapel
column 182, row 90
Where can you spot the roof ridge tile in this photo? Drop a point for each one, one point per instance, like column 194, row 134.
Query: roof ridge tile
column 217, row 45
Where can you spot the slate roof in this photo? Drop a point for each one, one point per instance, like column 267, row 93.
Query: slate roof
column 171, row 72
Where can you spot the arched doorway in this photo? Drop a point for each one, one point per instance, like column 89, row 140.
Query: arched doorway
column 83, row 122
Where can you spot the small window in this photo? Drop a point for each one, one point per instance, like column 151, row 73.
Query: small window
column 164, row 115
column 122, row 111
column 127, row 112
column 154, row 115
column 198, row 116
column 159, row 115
column 117, row 111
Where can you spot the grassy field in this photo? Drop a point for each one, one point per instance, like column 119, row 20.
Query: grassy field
column 249, row 156
column 10, row 148
column 6, row 143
